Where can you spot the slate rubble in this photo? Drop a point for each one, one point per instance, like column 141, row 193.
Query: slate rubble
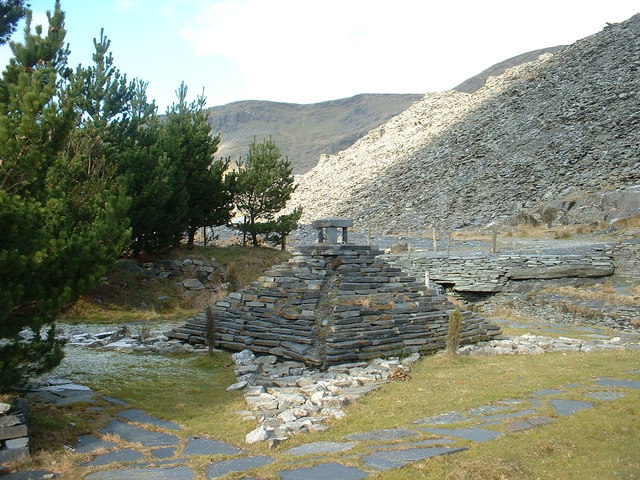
column 126, row 338
column 535, row 345
column 553, row 129
column 288, row 398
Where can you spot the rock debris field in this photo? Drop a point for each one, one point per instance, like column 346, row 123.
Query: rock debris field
column 152, row 448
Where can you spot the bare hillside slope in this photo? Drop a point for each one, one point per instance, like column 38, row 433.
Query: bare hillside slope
column 563, row 125
column 303, row 132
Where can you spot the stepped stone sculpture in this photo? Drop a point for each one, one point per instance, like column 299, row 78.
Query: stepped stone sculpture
column 332, row 303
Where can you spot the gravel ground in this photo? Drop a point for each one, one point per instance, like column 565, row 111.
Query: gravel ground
column 306, row 235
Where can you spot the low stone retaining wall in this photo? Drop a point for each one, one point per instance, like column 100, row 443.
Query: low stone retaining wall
column 493, row 273
column 14, row 440
column 626, row 258
column 333, row 304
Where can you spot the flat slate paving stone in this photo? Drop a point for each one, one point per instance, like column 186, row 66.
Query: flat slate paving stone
column 45, row 397
column 486, row 409
column 620, row 383
column 29, row 475
column 125, row 455
column 568, row 407
column 324, row 471
column 536, row 402
column 511, row 401
column 85, row 398
column 421, row 443
column 604, row 396
column 172, row 473
column 571, row 385
column 88, row 444
column 400, row 458
column 474, row 434
column 206, row 446
column 320, row 447
column 166, row 452
column 443, row 419
column 139, row 416
column 157, row 463
column 113, row 400
column 504, row 416
column 381, row 435
column 527, row 423
column 545, row 392
column 236, row 465
column 133, row 434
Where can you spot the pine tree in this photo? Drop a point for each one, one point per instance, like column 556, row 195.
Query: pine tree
column 264, row 184
column 190, row 147
column 149, row 176
column 11, row 11
column 49, row 252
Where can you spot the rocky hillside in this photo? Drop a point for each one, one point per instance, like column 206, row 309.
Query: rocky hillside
column 303, row 132
column 560, row 126
column 474, row 83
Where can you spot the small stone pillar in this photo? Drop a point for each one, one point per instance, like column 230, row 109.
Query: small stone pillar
column 329, row 226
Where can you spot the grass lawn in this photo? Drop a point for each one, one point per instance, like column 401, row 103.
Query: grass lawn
column 598, row 443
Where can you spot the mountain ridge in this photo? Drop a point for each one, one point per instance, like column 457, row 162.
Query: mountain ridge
column 303, row 131
column 561, row 125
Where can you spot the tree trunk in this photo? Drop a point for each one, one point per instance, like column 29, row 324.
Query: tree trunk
column 254, row 235
column 191, row 237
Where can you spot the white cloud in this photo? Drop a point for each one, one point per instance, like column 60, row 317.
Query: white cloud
column 305, row 50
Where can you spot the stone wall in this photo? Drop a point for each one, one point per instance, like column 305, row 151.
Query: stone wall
column 626, row 258
column 332, row 304
column 14, row 442
column 493, row 273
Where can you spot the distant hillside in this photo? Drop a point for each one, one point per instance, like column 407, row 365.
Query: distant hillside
column 304, row 132
column 474, row 83
column 558, row 127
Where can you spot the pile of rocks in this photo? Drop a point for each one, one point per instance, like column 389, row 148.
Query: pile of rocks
column 14, row 440
column 550, row 129
column 195, row 275
column 288, row 398
column 127, row 339
column 535, row 345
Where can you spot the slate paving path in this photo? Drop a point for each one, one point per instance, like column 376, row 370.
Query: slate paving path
column 167, row 454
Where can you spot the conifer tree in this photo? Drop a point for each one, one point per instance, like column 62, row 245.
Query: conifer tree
column 264, row 184
column 49, row 254
column 202, row 185
column 149, row 176
column 11, row 11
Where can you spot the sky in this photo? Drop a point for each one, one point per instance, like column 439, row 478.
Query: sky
column 307, row 51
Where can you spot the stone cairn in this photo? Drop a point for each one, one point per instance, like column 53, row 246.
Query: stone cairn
column 330, row 304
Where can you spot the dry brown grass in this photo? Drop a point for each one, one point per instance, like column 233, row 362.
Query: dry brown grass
column 471, row 235
column 477, row 469
column 628, row 223
column 603, row 292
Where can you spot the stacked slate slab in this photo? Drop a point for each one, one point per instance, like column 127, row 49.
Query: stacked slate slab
column 494, row 273
column 331, row 304
column 14, row 439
